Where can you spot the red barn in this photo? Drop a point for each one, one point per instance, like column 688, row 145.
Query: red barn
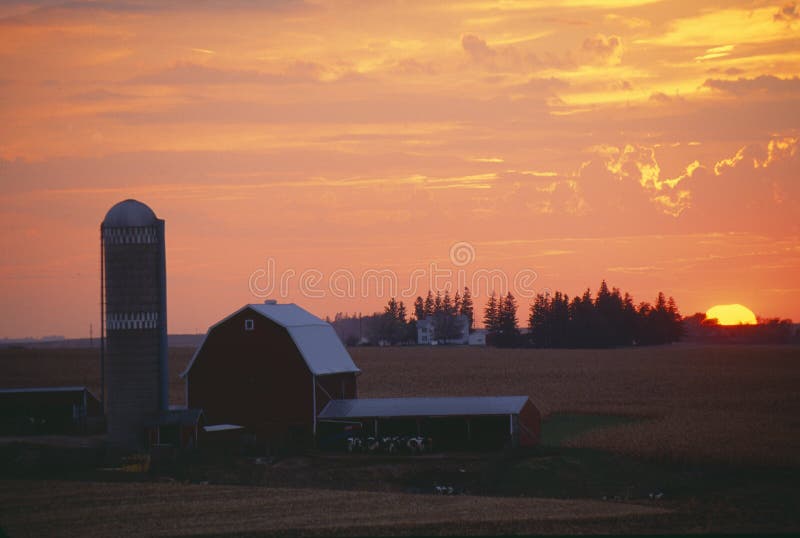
column 270, row 368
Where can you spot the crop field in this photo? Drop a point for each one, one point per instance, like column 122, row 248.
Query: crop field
column 727, row 404
column 701, row 404
column 713, row 428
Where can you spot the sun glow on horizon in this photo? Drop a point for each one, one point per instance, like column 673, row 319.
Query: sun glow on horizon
column 732, row 314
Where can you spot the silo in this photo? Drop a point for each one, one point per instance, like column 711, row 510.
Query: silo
column 134, row 314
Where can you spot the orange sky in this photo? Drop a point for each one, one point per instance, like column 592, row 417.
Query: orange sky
column 650, row 143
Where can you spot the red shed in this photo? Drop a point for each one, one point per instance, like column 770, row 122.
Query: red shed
column 270, row 368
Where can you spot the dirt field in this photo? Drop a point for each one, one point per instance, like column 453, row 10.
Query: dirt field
column 53, row 508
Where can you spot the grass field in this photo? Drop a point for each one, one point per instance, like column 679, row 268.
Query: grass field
column 715, row 428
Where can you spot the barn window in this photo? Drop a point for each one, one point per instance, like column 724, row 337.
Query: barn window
column 248, row 325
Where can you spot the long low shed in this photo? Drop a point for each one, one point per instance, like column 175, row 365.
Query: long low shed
column 484, row 421
column 39, row 410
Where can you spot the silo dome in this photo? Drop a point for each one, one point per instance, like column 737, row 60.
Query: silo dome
column 129, row 213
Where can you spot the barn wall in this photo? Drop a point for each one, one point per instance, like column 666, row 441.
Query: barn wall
column 255, row 378
column 530, row 422
column 338, row 386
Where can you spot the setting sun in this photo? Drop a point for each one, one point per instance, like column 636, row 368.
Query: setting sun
column 732, row 314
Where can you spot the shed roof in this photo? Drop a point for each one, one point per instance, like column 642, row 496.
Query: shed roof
column 317, row 341
column 33, row 390
column 423, row 407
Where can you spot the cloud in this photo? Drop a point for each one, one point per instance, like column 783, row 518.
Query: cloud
column 788, row 12
column 779, row 149
column 411, row 66
column 476, row 48
column 660, row 97
column 603, row 49
column 763, row 84
column 510, row 57
column 638, row 163
column 192, row 73
column 731, row 162
column 732, row 71
column 596, row 50
column 546, row 86
column 99, row 95
column 403, row 108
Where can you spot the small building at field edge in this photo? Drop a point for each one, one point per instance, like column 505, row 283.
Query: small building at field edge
column 285, row 377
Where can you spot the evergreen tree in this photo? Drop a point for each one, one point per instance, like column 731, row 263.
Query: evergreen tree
column 419, row 308
column 490, row 314
column 437, row 303
column 507, row 329
column 429, row 304
column 466, row 307
column 447, row 304
column 539, row 322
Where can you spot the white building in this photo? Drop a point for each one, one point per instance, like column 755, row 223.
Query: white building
column 426, row 331
column 477, row 337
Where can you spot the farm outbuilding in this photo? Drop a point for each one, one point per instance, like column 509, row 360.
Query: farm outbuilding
column 270, row 368
column 487, row 422
column 178, row 428
column 40, row 410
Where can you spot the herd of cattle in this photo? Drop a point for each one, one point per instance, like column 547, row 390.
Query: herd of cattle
column 390, row 444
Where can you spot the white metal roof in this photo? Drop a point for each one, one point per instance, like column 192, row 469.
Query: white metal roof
column 316, row 339
column 222, row 427
column 423, row 407
column 287, row 314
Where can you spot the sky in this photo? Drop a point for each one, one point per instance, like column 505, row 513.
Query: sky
column 335, row 153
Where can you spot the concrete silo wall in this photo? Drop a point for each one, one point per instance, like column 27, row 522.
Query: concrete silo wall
column 135, row 327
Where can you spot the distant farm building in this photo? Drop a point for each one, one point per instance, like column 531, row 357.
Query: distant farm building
column 477, row 337
column 448, row 330
column 282, row 375
column 49, row 410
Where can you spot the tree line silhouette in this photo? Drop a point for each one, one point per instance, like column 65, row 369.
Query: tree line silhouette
column 394, row 326
column 607, row 319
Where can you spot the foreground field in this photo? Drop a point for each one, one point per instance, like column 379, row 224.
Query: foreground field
column 713, row 429
column 727, row 404
column 50, row 508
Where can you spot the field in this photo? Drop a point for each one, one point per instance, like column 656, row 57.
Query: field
column 52, row 508
column 718, row 404
column 715, row 429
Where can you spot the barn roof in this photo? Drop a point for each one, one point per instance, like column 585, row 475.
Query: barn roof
column 423, row 407
column 316, row 339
